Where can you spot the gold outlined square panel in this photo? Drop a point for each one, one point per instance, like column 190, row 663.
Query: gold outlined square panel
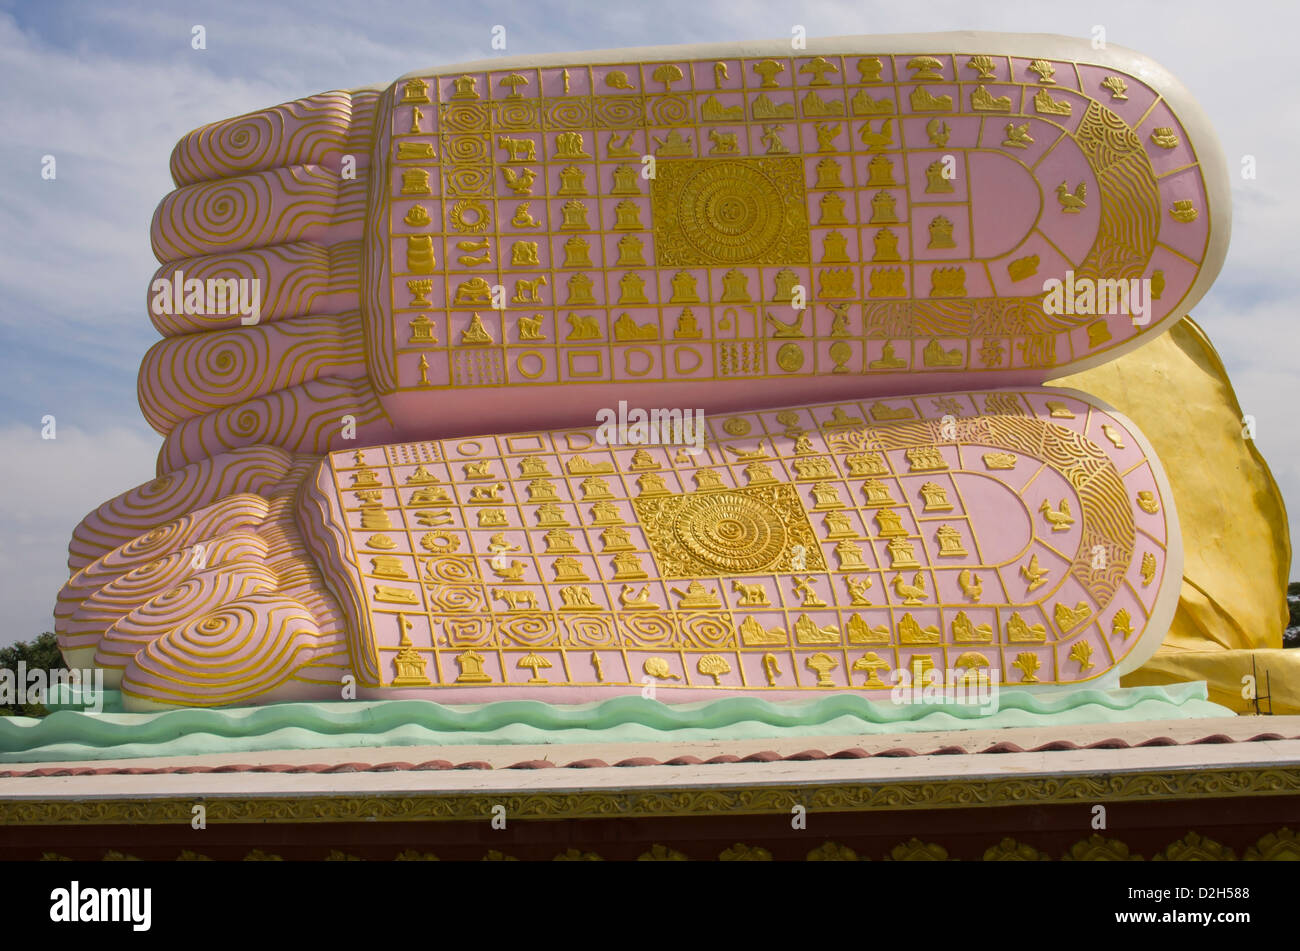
column 740, row 531
column 735, row 212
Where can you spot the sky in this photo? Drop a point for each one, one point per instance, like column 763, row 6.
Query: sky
column 109, row 87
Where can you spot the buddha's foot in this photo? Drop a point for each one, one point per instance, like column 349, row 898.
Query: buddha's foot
column 874, row 215
column 197, row 589
column 1028, row 534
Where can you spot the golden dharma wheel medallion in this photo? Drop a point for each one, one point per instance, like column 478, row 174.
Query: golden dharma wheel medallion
column 730, row 211
column 737, row 212
column 729, row 532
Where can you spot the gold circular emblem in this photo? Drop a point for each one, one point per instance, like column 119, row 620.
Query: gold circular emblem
column 730, row 532
column 736, row 426
column 730, row 211
column 469, row 214
column 790, row 357
column 439, row 543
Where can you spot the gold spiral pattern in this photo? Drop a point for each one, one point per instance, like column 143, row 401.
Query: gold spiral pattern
column 226, row 515
column 469, row 180
column 235, row 654
column 465, row 117
column 103, row 607
column 647, row 630
column 181, row 377
column 229, row 585
column 708, row 631
column 185, row 489
column 623, row 112
column 467, row 148
column 515, row 114
column 305, row 132
column 467, row 631
column 669, row 110
column 302, row 418
column 265, row 208
column 450, row 570
column 293, row 280
column 527, row 630
column 567, row 114
column 589, row 630
column 244, row 509
column 450, row 599
column 140, row 626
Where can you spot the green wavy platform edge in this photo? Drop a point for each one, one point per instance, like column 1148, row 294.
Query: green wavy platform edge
column 68, row 735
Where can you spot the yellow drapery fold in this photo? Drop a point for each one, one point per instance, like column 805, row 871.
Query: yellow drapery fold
column 1232, row 607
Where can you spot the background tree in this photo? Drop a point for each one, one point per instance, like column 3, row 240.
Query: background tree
column 1291, row 638
column 43, row 652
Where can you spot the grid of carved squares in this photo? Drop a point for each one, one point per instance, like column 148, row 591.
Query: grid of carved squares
column 459, row 536
column 481, row 171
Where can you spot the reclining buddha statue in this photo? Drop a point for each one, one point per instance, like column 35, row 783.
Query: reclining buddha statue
column 717, row 368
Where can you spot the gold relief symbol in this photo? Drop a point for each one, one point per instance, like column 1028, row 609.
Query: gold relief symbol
column 723, row 143
column 1164, row 137
column 771, row 138
column 937, row 181
column 925, row 68
column 674, row 144
column 982, row 100
column 519, row 181
column 1081, row 653
column 1072, row 202
column 880, row 171
column 415, row 181
column 883, row 206
column 881, row 138
column 420, row 257
column 523, row 253
column 1121, row 624
column 863, row 104
column 1022, row 268
column 925, row 101
column 914, row 593
column 519, row 150
column 422, row 330
column 1148, row 568
column 1060, row 520
column 1044, row 104
column 733, row 531
column 720, row 212
column 1116, row 86
column 1017, row 136
column 1032, row 573
column 1019, row 630
column 1044, row 70
column 1067, row 618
